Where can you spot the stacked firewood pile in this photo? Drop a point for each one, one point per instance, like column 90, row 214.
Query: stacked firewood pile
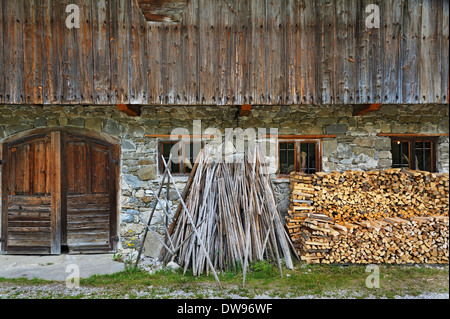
column 391, row 216
column 393, row 241
column 355, row 196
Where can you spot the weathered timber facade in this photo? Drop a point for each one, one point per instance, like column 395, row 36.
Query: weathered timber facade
column 86, row 114
column 224, row 52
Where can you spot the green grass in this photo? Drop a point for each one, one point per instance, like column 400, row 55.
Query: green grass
column 264, row 278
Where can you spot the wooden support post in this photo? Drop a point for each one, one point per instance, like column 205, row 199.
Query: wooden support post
column 244, row 110
column 363, row 109
column 130, row 110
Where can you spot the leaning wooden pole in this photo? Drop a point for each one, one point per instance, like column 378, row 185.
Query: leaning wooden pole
column 202, row 245
column 150, row 219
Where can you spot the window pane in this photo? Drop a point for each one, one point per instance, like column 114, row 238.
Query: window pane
column 308, row 157
column 191, row 150
column 400, row 154
column 286, row 157
column 291, row 157
column 405, row 154
column 396, row 157
column 419, row 158
column 283, row 158
column 166, row 151
column 423, row 157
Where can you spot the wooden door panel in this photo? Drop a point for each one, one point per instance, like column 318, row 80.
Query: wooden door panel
column 89, row 197
column 88, row 222
column 29, row 224
column 41, row 171
column 19, row 169
column 27, row 197
column 76, row 168
column 100, row 170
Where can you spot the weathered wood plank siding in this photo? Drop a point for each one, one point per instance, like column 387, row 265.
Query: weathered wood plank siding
column 225, row 52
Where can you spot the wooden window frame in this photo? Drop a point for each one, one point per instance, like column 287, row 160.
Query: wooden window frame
column 182, row 163
column 412, row 140
column 297, row 150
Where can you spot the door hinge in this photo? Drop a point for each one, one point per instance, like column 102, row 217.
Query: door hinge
column 115, row 238
column 116, row 162
column 2, row 239
column 3, row 161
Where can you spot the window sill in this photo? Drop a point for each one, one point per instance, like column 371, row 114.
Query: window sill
column 281, row 179
column 177, row 177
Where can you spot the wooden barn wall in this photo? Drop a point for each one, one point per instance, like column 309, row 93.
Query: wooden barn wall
column 225, row 52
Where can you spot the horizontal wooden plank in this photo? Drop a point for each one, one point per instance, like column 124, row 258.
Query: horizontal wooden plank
column 87, row 211
column 28, row 215
column 77, row 200
column 14, row 224
column 90, row 226
column 29, row 231
column 25, row 250
column 25, row 200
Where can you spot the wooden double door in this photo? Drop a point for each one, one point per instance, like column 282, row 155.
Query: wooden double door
column 59, row 194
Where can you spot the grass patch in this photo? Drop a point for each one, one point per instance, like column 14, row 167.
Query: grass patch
column 26, row 281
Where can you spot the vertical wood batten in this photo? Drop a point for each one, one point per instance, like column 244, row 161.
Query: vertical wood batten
column 243, row 43
column 101, row 52
column 32, row 53
column 430, row 73
column 363, row 57
column 275, row 52
column 51, row 49
column 410, row 52
column 391, row 44
column 208, row 64
column 56, row 192
column 293, row 50
column 13, row 55
column 309, row 58
column 375, row 59
column 257, row 57
column 2, row 66
column 84, row 85
column 119, row 50
column 190, row 54
column 445, row 54
column 154, row 80
column 136, row 75
column 172, row 79
column 223, row 68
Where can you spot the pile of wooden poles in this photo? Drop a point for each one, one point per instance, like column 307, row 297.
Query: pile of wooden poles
column 234, row 210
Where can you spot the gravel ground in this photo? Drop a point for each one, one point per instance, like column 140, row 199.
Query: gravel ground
column 59, row 290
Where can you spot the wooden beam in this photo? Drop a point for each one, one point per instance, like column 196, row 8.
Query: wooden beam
column 179, row 136
column 130, row 110
column 244, row 110
column 400, row 135
column 363, row 109
column 301, row 137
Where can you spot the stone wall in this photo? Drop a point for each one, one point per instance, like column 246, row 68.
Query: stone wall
column 356, row 145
